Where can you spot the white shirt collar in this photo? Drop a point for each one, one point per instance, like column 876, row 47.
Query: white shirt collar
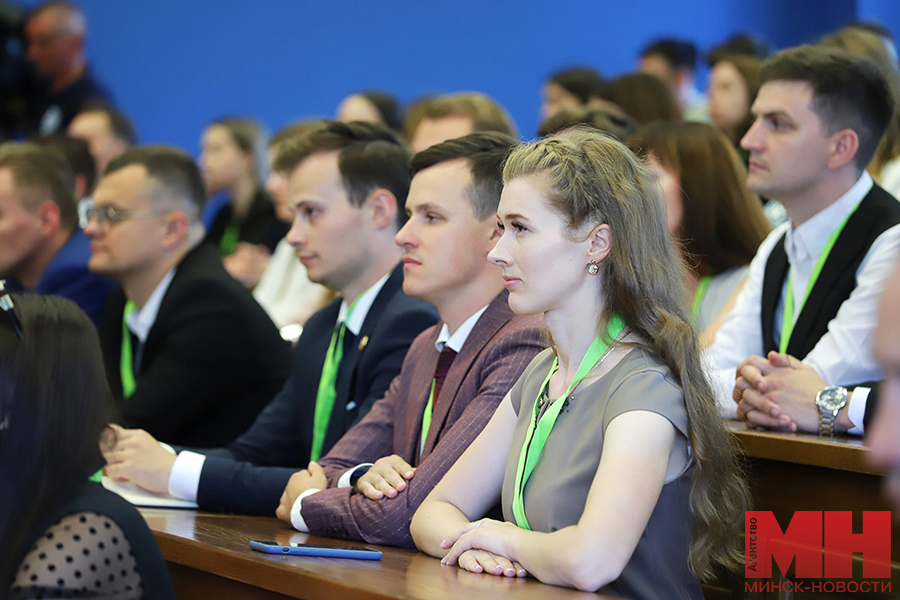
column 140, row 322
column 804, row 243
column 458, row 337
column 363, row 304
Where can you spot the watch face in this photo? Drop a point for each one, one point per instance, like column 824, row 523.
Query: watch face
column 832, row 398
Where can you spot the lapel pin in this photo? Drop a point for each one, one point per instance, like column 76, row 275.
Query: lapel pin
column 363, row 342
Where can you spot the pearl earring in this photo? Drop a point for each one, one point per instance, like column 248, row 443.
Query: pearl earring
column 593, row 268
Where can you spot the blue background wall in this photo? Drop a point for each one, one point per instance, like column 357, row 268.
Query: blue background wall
column 175, row 65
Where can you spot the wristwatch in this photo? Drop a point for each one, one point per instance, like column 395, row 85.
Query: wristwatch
column 830, row 400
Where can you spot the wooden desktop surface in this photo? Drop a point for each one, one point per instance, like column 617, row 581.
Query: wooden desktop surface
column 208, row 557
column 208, row 554
column 788, row 472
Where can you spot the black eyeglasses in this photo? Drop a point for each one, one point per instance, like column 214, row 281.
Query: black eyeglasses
column 6, row 304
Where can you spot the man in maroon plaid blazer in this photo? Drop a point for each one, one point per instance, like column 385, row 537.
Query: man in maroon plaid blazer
column 455, row 373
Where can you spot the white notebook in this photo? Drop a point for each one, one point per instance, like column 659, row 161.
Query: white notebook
column 141, row 497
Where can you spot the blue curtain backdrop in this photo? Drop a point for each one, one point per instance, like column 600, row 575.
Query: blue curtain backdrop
column 175, row 65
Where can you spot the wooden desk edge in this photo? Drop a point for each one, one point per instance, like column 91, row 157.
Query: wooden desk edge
column 840, row 453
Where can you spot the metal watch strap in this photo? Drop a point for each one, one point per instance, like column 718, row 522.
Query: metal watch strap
column 826, row 423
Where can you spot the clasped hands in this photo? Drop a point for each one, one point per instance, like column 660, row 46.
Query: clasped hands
column 483, row 547
column 777, row 392
column 384, row 479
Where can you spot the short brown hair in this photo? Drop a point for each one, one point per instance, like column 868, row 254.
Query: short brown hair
column 723, row 223
column 294, row 130
column 370, row 156
column 848, row 91
column 119, row 124
column 173, row 170
column 485, row 153
column 42, row 174
column 485, row 113
column 78, row 155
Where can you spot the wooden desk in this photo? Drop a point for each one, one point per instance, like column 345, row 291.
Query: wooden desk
column 799, row 471
column 208, row 557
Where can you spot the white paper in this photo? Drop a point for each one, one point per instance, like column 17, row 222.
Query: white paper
column 141, row 497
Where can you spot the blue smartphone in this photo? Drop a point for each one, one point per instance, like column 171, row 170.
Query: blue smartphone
column 298, row 549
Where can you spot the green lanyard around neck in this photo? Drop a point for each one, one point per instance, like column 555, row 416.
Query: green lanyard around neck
column 327, row 393
column 229, row 238
column 426, row 417
column 787, row 326
column 126, row 366
column 698, row 297
column 539, row 427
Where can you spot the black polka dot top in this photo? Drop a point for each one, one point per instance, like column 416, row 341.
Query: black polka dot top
column 85, row 555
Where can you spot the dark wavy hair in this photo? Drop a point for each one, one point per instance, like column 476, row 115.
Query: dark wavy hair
column 55, row 404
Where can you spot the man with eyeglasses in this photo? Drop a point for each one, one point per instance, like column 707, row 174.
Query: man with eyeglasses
column 41, row 247
column 190, row 355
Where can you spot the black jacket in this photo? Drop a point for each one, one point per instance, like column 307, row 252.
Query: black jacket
column 212, row 360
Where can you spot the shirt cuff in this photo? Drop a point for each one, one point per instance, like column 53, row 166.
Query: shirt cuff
column 184, row 478
column 167, row 448
column 856, row 410
column 297, row 518
column 344, row 480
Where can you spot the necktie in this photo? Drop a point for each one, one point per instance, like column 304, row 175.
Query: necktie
column 440, row 373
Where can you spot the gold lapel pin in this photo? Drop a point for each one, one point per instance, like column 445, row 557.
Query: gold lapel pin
column 363, row 342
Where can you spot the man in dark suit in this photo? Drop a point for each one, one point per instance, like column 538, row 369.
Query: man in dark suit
column 190, row 356
column 42, row 249
column 813, row 286
column 347, row 186
column 455, row 374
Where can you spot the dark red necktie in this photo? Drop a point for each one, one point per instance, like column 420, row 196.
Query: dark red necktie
column 443, row 365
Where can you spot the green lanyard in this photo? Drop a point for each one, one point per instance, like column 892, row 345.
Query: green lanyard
column 426, row 417
column 698, row 297
column 787, row 327
column 229, row 238
column 126, row 366
column 539, row 428
column 327, row 393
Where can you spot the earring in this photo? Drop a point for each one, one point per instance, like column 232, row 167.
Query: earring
column 593, row 268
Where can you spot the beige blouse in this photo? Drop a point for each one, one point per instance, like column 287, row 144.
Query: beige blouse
column 556, row 492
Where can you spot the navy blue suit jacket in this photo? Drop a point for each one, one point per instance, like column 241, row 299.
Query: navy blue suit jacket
column 68, row 276
column 250, row 475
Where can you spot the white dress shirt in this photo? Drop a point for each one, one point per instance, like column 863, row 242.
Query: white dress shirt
column 843, row 356
column 455, row 341
column 184, row 478
column 140, row 322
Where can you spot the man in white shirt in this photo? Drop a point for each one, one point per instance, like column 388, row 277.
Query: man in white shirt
column 455, row 374
column 820, row 114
